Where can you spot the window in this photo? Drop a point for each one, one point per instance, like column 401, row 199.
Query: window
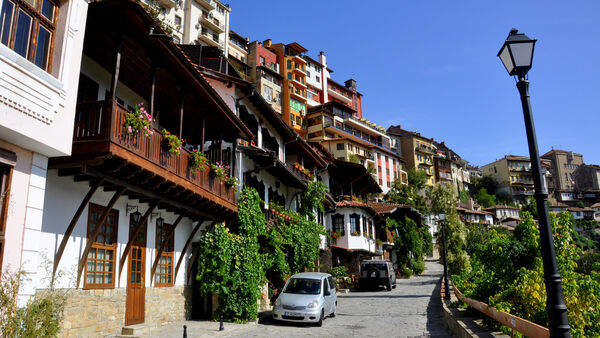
column 261, row 60
column 28, row 28
column 177, row 22
column 100, row 263
column 289, row 63
column 308, row 73
column 340, row 146
column 220, row 9
column 338, row 224
column 318, row 79
column 164, row 268
column 365, row 229
column 5, row 178
column 268, row 93
column 289, row 76
column 354, row 223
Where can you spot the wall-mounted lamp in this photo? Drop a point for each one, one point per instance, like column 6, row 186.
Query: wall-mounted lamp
column 136, row 215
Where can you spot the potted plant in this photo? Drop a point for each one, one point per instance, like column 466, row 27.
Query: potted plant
column 219, row 170
column 336, row 234
column 355, row 233
column 378, row 241
column 198, row 162
column 138, row 121
column 232, row 182
column 172, row 142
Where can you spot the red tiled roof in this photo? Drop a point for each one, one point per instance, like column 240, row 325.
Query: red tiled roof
column 596, row 205
column 474, row 211
column 384, row 208
column 503, row 206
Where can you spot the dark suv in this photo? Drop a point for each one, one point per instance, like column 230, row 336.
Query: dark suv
column 375, row 273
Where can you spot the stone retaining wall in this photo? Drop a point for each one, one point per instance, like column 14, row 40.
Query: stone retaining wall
column 101, row 312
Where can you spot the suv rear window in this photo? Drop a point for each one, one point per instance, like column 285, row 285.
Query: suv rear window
column 366, row 266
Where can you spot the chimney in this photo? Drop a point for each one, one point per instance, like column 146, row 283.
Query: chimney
column 444, row 143
column 267, row 43
column 350, row 84
column 322, row 58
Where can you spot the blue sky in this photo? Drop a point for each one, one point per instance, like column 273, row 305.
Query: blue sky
column 431, row 66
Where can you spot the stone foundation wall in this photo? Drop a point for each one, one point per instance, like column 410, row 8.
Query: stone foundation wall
column 165, row 305
column 94, row 313
column 101, row 312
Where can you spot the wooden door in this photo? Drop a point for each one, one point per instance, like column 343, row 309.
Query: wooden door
column 136, row 292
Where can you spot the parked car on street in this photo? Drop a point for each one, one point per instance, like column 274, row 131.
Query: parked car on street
column 375, row 273
column 307, row 297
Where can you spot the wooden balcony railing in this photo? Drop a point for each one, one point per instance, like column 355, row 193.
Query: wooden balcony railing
column 103, row 121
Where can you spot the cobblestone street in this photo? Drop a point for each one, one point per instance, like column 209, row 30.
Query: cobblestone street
column 412, row 309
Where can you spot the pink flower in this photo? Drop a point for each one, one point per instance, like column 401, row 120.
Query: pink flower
column 146, row 127
column 141, row 116
column 129, row 129
column 151, row 132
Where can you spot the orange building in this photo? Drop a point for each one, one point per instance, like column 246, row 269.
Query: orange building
column 293, row 69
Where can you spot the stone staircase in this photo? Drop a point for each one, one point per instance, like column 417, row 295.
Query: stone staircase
column 134, row 331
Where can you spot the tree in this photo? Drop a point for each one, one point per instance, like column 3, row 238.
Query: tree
column 487, row 182
column 486, row 200
column 417, row 178
column 406, row 195
column 442, row 198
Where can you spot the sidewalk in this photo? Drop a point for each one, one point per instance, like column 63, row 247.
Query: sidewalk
column 201, row 328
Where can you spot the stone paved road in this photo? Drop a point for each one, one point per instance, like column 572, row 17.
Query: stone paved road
column 412, row 309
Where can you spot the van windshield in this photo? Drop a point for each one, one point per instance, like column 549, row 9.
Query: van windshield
column 303, row 286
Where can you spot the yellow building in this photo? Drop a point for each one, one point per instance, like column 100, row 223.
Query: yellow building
column 514, row 176
column 417, row 151
column 349, row 138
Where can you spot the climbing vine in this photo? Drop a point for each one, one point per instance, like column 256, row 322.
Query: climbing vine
column 235, row 260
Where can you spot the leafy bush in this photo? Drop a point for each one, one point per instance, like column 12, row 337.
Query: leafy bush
column 41, row 316
column 418, row 267
column 507, row 273
column 406, row 272
column 338, row 272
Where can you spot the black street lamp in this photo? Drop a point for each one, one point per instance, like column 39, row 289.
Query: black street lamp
column 517, row 55
column 442, row 217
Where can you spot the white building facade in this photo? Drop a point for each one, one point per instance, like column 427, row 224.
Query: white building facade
column 40, row 53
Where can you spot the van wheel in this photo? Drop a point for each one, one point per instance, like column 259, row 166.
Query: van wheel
column 389, row 285
column 332, row 315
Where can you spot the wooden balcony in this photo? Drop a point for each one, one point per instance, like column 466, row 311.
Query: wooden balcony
column 100, row 139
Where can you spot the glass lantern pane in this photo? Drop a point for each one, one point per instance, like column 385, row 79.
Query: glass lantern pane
column 522, row 53
column 507, row 61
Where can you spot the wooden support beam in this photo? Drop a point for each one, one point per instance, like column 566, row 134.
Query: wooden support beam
column 71, row 226
column 203, row 133
column 92, row 238
column 147, row 193
column 181, row 116
column 162, row 247
column 191, row 266
column 69, row 171
column 132, row 236
column 115, row 77
column 187, row 245
column 152, row 90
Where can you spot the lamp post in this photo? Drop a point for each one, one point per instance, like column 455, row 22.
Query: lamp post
column 517, row 55
column 442, row 217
